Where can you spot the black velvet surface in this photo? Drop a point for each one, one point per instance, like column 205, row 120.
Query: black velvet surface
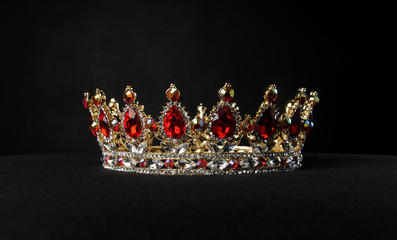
column 69, row 196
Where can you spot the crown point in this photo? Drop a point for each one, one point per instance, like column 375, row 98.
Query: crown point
column 172, row 93
column 301, row 96
column 226, row 93
column 271, row 93
column 86, row 100
column 314, row 99
column 129, row 95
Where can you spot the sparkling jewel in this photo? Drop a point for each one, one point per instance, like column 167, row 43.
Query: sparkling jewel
column 271, row 95
column 248, row 125
column 261, row 161
column 233, row 164
column 185, row 164
column 249, row 163
column 295, row 125
column 151, row 125
column 154, row 163
column 93, row 126
column 132, row 123
column 114, row 124
column 172, row 93
column 174, row 123
column 226, row 94
column 169, row 163
column 104, row 124
column 201, row 163
column 129, row 162
column 198, row 124
column 217, row 164
column 142, row 162
column 129, row 95
column 267, row 124
column 223, row 124
column 274, row 161
column 110, row 160
column 120, row 161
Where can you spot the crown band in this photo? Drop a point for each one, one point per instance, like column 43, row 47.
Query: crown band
column 206, row 144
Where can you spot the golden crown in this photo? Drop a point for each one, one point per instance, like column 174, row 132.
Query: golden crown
column 205, row 144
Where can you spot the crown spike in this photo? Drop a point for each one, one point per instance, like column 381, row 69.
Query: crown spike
column 172, row 93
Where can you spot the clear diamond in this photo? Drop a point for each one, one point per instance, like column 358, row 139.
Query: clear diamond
column 129, row 162
column 185, row 164
column 249, row 163
column 273, row 161
column 217, row 164
column 154, row 164
column 142, row 147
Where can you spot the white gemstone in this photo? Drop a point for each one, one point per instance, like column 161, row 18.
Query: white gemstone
column 249, row 163
column 154, row 164
column 273, row 161
column 129, row 162
column 217, row 164
column 185, row 164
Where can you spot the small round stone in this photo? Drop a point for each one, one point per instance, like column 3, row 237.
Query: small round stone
column 248, row 125
column 169, row 163
column 226, row 94
column 233, row 164
column 129, row 95
column 202, row 163
column 271, row 95
column 151, row 125
column 198, row 124
column 173, row 93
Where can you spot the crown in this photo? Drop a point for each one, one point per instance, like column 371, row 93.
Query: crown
column 209, row 142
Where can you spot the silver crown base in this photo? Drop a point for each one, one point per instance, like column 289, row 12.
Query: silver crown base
column 214, row 164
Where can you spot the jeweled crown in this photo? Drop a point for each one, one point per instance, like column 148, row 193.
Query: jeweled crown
column 208, row 143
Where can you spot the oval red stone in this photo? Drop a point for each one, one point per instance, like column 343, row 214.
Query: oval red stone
column 267, row 123
column 104, row 124
column 174, row 124
column 132, row 123
column 223, row 124
column 295, row 125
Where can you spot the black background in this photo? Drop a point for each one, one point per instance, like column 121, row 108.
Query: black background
column 54, row 51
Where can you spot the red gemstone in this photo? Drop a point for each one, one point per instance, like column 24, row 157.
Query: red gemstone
column 93, row 130
column 104, row 124
column 261, row 162
column 295, row 126
column 132, row 123
column 174, row 124
column 169, row 163
column 223, row 124
column 233, row 164
column 267, row 124
column 201, row 163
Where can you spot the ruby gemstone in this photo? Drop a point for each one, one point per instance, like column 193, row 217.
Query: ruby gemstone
column 174, row 124
column 295, row 126
column 267, row 124
column 132, row 123
column 223, row 124
column 104, row 124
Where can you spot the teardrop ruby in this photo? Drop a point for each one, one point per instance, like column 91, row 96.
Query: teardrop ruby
column 295, row 126
column 174, row 124
column 132, row 123
column 266, row 126
column 104, row 124
column 223, row 124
